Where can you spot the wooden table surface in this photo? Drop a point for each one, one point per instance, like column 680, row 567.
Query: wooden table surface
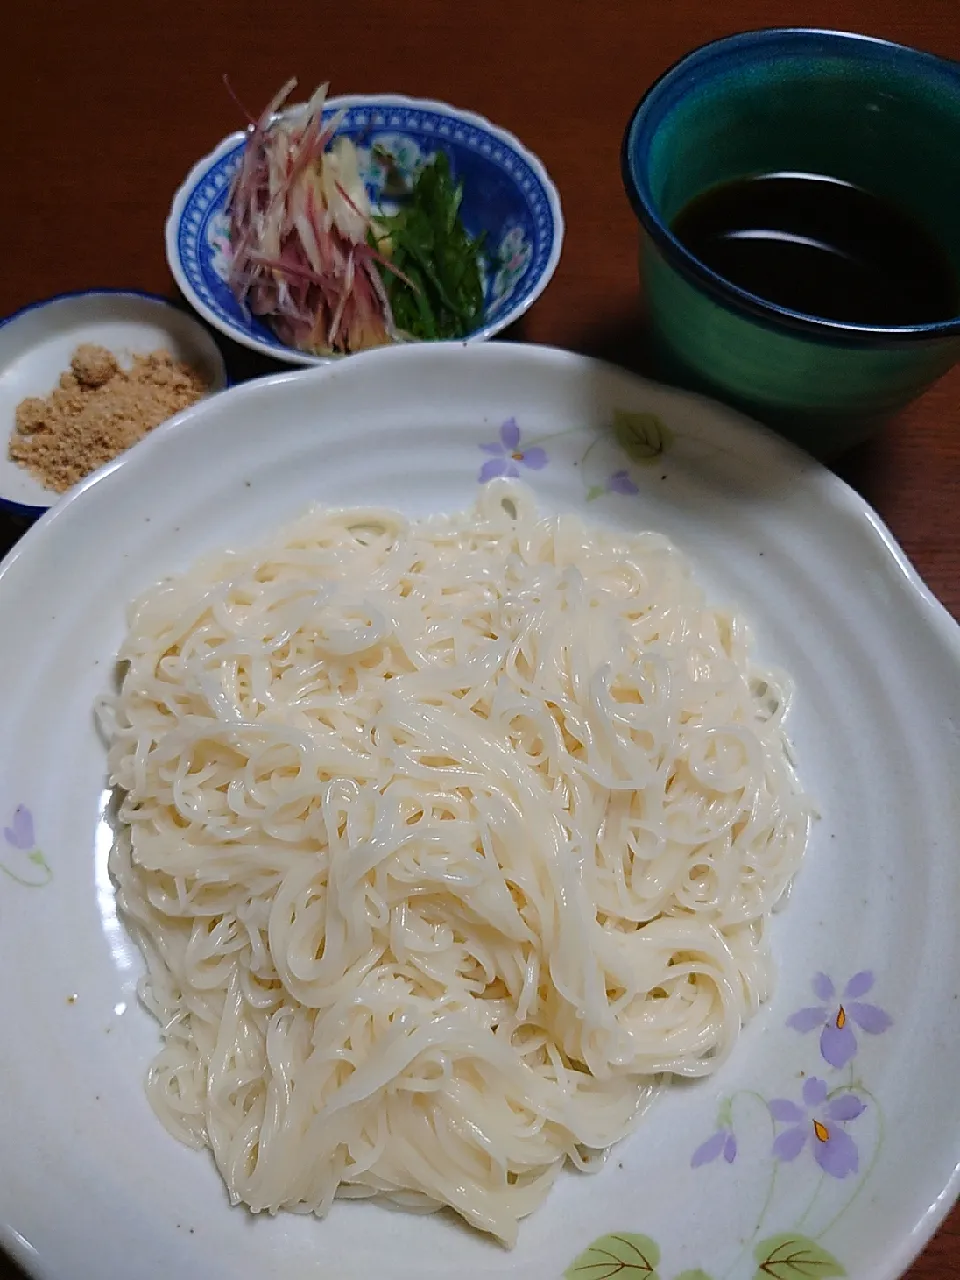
column 106, row 105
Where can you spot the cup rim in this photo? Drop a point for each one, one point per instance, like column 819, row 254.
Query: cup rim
column 720, row 288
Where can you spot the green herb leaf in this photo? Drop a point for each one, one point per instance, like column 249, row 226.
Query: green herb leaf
column 632, row 1257
column 791, row 1256
column 595, row 491
column 642, row 436
column 695, row 1274
column 431, row 247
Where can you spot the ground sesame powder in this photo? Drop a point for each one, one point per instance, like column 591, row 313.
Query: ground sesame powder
column 97, row 412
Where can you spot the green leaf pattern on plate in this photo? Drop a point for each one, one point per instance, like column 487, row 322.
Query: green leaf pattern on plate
column 787, row 1256
column 642, row 436
column 791, row 1256
column 626, row 1255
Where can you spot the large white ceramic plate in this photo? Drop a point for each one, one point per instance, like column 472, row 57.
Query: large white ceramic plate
column 735, row 1177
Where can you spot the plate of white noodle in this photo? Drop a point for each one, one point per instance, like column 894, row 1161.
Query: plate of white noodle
column 470, row 811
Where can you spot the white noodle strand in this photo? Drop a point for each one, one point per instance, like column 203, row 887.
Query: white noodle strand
column 444, row 841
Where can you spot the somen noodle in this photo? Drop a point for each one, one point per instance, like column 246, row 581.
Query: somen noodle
column 444, row 841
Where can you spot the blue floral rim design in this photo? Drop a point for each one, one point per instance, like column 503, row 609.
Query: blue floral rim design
column 508, row 196
column 105, row 291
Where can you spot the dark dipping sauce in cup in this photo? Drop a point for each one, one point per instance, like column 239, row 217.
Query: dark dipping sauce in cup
column 822, row 247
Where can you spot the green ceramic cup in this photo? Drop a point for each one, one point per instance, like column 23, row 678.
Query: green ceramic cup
column 879, row 115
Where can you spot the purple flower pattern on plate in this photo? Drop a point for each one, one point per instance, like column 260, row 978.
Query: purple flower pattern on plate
column 508, row 455
column 834, row 1015
column 722, row 1142
column 620, row 482
column 20, row 835
column 818, row 1122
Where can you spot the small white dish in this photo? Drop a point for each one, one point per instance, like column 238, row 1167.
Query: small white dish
column 36, row 345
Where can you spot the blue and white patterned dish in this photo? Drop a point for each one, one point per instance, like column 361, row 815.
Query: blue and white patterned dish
column 507, row 194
